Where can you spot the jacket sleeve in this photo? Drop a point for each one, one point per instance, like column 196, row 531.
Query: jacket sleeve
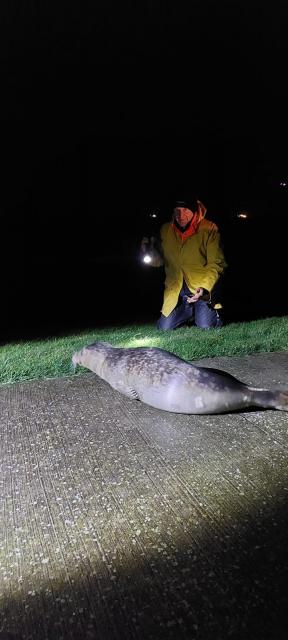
column 216, row 262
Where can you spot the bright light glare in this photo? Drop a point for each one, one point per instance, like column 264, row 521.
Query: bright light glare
column 147, row 259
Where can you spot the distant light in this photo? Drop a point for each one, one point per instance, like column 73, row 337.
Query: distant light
column 153, row 214
column 242, row 215
column 147, row 259
column 283, row 184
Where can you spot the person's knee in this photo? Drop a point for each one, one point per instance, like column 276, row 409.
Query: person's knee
column 209, row 324
column 208, row 320
column 164, row 323
column 205, row 325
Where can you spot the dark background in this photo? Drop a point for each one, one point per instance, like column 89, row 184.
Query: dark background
column 111, row 109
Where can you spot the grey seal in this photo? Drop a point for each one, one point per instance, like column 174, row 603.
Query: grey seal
column 165, row 381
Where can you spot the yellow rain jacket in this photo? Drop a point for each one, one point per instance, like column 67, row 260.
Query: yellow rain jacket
column 198, row 259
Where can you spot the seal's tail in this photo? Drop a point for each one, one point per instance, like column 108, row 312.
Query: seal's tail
column 272, row 399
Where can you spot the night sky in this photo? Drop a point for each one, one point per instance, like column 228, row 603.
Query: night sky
column 109, row 109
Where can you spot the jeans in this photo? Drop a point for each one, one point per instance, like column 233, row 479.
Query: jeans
column 199, row 313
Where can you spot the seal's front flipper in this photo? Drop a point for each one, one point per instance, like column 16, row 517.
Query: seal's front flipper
column 127, row 391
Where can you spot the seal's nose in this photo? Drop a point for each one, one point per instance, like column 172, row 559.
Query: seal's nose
column 75, row 359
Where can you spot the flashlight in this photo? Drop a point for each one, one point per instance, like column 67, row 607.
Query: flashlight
column 147, row 259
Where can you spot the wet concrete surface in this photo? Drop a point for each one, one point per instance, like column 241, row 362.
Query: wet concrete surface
column 122, row 521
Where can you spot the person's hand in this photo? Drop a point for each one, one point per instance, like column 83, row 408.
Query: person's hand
column 150, row 252
column 145, row 243
column 196, row 296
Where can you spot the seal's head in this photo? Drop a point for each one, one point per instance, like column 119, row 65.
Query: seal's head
column 92, row 356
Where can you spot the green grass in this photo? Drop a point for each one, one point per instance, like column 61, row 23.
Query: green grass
column 51, row 358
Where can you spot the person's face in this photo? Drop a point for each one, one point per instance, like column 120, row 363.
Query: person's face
column 183, row 215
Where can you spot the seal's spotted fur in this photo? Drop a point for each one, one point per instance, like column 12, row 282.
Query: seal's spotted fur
column 165, row 381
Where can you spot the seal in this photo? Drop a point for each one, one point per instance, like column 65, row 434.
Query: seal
column 165, row 381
